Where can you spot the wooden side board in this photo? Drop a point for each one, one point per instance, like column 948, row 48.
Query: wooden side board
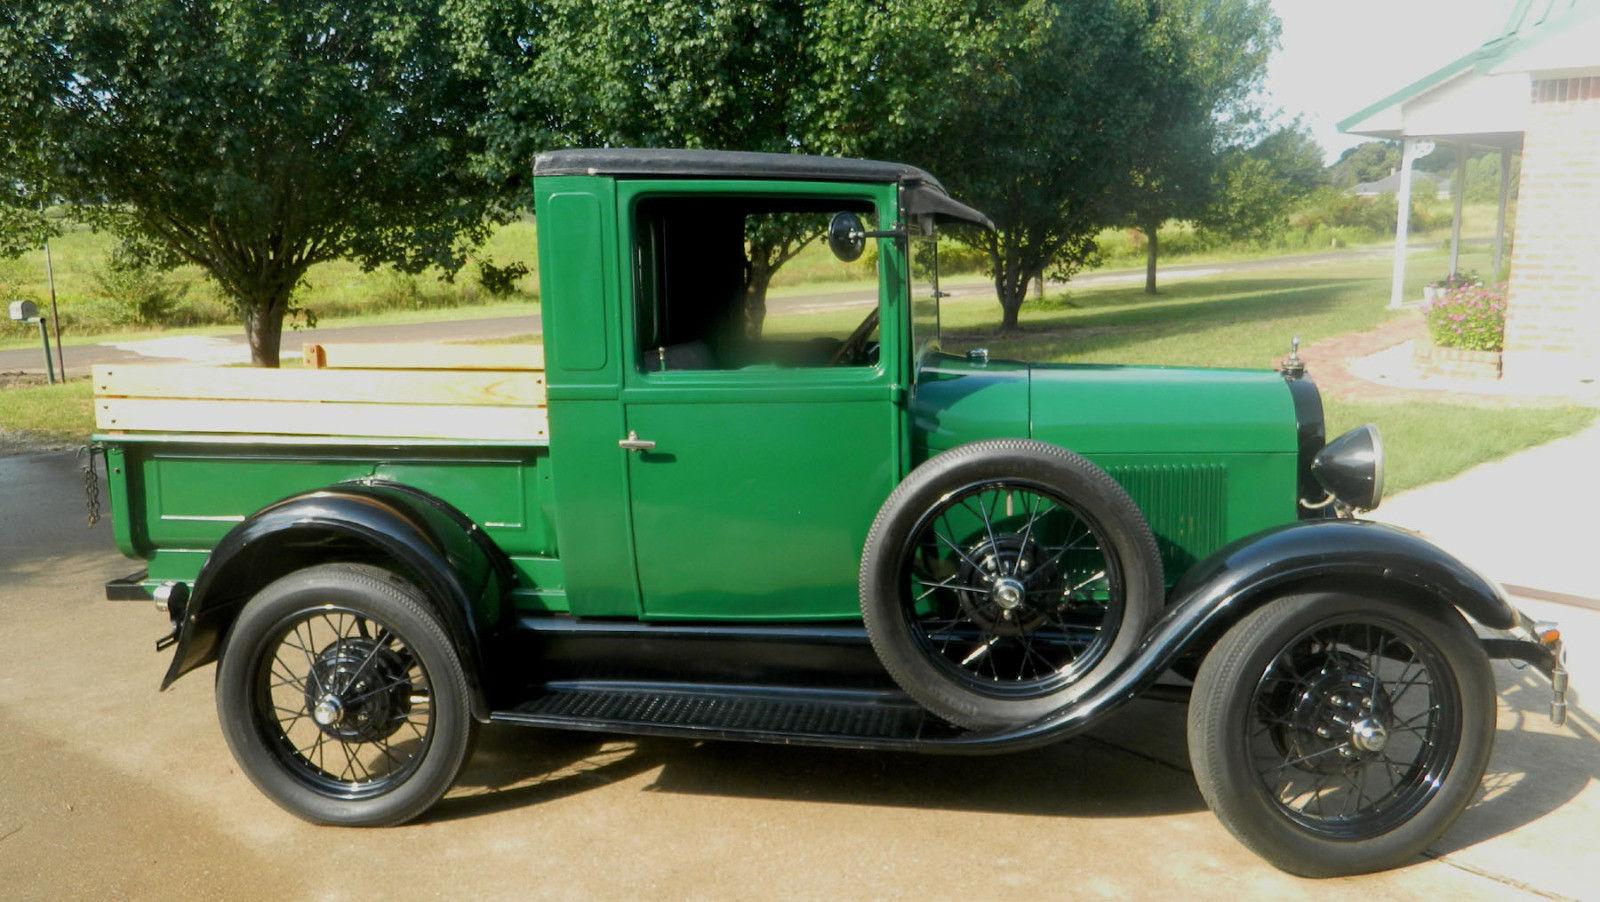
column 443, row 404
column 320, row 418
column 250, row 384
column 520, row 357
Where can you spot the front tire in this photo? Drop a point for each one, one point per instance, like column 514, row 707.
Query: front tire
column 342, row 698
column 1337, row 734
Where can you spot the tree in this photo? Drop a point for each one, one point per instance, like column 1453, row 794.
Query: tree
column 1041, row 144
column 23, row 223
column 1368, row 161
column 1259, row 185
column 252, row 139
column 1208, row 60
column 680, row 73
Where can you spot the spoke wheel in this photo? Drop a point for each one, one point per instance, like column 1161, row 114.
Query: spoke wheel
column 344, row 700
column 1012, row 588
column 1002, row 580
column 1339, row 734
column 1353, row 729
column 343, row 697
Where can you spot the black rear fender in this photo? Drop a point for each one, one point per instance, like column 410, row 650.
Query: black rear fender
column 463, row 573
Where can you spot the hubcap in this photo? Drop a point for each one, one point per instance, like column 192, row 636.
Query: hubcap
column 328, row 712
column 1369, row 735
column 1008, row 593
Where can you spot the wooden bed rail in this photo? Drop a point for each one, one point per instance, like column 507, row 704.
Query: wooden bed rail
column 518, row 357
column 479, row 404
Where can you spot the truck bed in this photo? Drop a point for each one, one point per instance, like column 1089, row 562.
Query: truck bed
column 466, row 392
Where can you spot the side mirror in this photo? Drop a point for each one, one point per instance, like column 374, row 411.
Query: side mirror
column 847, row 238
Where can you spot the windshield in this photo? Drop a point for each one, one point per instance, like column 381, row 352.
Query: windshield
column 924, row 286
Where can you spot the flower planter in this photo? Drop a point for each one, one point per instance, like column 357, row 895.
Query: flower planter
column 1456, row 363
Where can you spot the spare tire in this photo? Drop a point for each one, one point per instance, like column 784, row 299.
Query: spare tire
column 1002, row 579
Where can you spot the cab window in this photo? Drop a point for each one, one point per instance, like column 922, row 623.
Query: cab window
column 706, row 296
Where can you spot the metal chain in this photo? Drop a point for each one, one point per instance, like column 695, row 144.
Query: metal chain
column 91, row 480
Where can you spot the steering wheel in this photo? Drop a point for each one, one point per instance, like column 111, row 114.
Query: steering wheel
column 856, row 344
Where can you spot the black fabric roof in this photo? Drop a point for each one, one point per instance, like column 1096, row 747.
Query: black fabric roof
column 670, row 163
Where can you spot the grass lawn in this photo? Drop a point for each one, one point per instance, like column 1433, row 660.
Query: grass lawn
column 1425, row 442
column 47, row 414
column 334, row 291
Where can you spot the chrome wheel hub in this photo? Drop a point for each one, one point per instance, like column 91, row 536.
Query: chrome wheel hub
column 1369, row 735
column 328, row 712
column 1008, row 593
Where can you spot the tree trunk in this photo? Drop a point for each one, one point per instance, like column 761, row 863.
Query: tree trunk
column 263, row 326
column 1150, row 233
column 1012, row 292
column 755, row 293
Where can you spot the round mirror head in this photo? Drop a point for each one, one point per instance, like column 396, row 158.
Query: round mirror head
column 847, row 238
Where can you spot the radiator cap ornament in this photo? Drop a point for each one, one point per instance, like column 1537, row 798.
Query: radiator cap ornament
column 1292, row 366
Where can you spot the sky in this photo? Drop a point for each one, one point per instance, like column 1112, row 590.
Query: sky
column 1338, row 56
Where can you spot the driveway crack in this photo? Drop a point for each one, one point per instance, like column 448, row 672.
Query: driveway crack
column 1501, row 879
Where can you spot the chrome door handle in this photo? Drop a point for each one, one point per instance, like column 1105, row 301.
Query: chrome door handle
column 634, row 443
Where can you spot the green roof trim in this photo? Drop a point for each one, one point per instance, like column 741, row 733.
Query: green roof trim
column 1530, row 22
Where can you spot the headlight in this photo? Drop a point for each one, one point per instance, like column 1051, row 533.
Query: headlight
column 1351, row 468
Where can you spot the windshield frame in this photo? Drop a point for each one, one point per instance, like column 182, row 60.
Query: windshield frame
column 922, row 234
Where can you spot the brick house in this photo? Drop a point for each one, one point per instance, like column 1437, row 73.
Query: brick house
column 1535, row 89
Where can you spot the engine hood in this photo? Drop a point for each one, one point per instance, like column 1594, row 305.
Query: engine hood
column 1096, row 409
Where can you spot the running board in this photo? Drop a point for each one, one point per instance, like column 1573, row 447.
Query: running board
column 787, row 716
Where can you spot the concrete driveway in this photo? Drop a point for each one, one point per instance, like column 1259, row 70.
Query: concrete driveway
column 111, row 789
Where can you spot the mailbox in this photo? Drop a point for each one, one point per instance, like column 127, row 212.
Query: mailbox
column 24, row 311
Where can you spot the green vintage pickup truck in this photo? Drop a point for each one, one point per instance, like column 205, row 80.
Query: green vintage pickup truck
column 700, row 508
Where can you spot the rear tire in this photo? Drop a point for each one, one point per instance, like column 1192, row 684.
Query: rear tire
column 1337, row 734
column 342, row 698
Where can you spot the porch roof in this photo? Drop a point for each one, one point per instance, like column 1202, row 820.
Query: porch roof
column 1482, row 97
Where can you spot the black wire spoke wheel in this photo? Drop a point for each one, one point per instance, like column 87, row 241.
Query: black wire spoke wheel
column 1012, row 589
column 344, row 701
column 1354, row 726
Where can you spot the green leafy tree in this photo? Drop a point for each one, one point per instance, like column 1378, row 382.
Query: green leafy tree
column 252, row 139
column 716, row 74
column 1260, row 185
column 1365, row 162
column 1207, row 62
column 1041, row 141
column 24, row 223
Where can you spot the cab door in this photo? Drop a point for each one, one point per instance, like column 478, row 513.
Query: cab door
column 752, row 484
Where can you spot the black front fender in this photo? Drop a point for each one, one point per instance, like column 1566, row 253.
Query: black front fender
column 461, row 571
column 1352, row 555
column 1340, row 553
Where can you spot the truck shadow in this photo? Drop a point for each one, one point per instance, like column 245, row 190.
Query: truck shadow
column 1135, row 765
column 1536, row 769
column 1095, row 774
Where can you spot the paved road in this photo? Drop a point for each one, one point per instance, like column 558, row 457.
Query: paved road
column 231, row 348
column 109, row 788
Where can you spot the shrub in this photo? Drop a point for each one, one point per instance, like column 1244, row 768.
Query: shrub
column 133, row 293
column 500, row 281
column 1470, row 317
column 1464, row 279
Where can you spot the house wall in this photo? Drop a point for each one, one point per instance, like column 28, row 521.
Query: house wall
column 1553, row 314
